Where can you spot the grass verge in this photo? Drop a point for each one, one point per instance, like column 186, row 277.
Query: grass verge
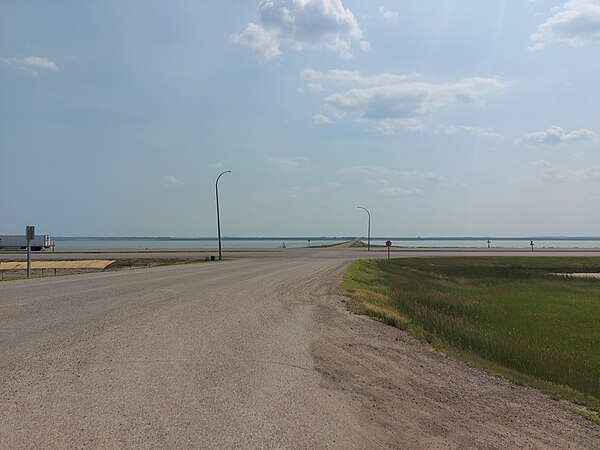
column 508, row 316
column 150, row 262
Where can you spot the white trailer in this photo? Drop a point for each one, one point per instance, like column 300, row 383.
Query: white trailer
column 19, row 242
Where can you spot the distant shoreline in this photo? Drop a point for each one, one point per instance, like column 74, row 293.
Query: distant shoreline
column 251, row 242
column 332, row 238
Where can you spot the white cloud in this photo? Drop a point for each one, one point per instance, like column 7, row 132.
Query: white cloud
column 477, row 131
column 264, row 42
column 590, row 172
column 576, row 23
column 302, row 25
column 290, row 195
column 411, row 99
column 556, row 135
column 172, row 181
column 526, row 180
column 388, row 16
column 390, row 101
column 539, row 164
column 369, row 170
column 314, row 87
column 285, row 163
column 320, row 119
column 296, row 192
column 389, row 126
column 401, row 104
column 377, row 172
column 399, row 192
column 548, row 170
column 31, row 64
column 352, row 77
column 342, row 47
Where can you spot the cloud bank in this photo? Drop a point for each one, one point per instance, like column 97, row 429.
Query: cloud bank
column 302, row 25
column 391, row 101
column 549, row 170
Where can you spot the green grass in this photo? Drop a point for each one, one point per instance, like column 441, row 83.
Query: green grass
column 509, row 316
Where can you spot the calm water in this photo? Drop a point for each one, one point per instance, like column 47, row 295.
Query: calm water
column 68, row 243
column 503, row 243
column 83, row 243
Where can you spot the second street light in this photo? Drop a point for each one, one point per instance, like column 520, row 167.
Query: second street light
column 369, row 238
column 218, row 218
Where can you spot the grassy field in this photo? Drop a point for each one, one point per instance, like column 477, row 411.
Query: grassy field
column 510, row 316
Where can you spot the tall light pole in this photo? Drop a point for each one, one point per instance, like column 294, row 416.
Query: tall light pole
column 218, row 218
column 369, row 239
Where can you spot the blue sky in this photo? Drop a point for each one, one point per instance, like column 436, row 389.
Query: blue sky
column 441, row 117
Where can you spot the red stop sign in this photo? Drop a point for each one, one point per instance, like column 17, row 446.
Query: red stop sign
column 388, row 243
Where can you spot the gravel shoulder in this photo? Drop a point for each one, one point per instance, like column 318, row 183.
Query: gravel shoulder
column 250, row 353
column 415, row 397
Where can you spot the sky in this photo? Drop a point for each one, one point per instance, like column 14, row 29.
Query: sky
column 441, row 117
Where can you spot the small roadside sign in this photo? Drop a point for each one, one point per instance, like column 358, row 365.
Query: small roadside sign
column 30, row 235
column 388, row 244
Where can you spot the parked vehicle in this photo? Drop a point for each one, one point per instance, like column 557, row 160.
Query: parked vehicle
column 17, row 241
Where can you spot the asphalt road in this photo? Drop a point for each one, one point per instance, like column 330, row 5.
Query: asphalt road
column 252, row 353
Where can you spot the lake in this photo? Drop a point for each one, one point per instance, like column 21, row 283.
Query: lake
column 88, row 243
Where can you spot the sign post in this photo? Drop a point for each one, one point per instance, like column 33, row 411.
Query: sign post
column 388, row 244
column 30, row 236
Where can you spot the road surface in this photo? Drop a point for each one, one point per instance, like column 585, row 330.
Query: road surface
column 336, row 252
column 252, row 353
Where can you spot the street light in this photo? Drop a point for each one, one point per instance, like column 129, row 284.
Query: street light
column 369, row 239
column 218, row 218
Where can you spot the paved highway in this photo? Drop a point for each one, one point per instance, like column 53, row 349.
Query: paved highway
column 252, row 353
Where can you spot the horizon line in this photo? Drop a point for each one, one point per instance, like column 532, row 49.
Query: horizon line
column 399, row 238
